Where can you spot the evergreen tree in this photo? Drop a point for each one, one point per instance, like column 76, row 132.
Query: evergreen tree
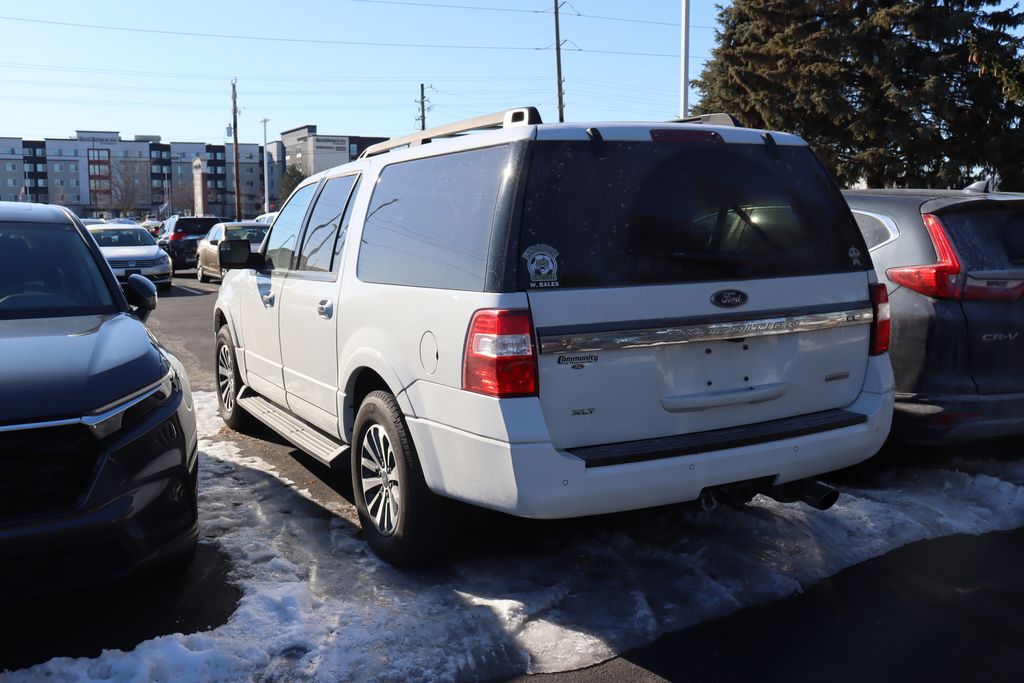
column 293, row 175
column 891, row 92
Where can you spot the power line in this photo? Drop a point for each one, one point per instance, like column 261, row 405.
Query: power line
column 314, row 41
column 262, row 77
column 519, row 10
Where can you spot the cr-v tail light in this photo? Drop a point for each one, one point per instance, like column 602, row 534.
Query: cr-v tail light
column 177, row 236
column 881, row 325
column 500, row 358
column 940, row 280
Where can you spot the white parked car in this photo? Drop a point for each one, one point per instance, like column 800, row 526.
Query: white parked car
column 130, row 250
column 561, row 320
column 267, row 218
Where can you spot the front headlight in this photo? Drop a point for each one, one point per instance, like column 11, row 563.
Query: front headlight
column 113, row 416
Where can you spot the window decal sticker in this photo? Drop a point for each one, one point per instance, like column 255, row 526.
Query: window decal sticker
column 542, row 262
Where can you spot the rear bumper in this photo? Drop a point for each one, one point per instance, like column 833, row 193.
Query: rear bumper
column 537, row 480
column 959, row 417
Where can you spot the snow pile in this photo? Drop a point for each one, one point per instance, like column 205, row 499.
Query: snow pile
column 318, row 605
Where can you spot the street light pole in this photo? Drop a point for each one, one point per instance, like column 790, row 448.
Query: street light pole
column 684, row 63
column 266, row 175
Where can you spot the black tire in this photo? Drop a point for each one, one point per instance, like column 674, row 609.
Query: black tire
column 229, row 382
column 200, row 275
column 419, row 534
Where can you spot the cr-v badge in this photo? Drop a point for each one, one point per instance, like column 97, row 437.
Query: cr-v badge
column 728, row 298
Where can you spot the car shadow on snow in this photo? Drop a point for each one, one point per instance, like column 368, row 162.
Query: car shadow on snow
column 83, row 621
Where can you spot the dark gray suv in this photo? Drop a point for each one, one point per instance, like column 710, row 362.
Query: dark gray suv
column 98, row 459
column 953, row 263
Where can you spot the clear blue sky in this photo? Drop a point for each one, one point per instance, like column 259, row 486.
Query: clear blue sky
column 57, row 79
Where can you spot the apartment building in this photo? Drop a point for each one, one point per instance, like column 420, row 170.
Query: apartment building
column 312, row 153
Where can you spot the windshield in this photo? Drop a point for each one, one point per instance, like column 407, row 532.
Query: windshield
column 989, row 237
column 639, row 213
column 128, row 237
column 47, row 270
column 252, row 233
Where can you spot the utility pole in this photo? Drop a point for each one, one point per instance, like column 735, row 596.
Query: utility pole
column 234, row 131
column 266, row 174
column 423, row 108
column 558, row 63
column 684, row 63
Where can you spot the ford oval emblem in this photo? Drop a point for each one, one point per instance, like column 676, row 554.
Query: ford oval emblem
column 728, row 298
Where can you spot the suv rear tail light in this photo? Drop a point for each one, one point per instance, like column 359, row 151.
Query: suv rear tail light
column 177, row 236
column 942, row 279
column 500, row 359
column 881, row 325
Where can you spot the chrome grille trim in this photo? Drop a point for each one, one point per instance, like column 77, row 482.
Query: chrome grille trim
column 687, row 334
column 139, row 263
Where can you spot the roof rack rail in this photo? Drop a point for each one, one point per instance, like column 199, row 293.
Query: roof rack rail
column 711, row 120
column 522, row 116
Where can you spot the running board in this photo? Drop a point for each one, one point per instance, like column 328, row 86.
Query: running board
column 306, row 438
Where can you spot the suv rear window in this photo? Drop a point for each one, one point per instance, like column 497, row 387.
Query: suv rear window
column 195, row 226
column 636, row 213
column 988, row 238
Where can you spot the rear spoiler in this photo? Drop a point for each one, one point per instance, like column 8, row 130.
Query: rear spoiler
column 719, row 119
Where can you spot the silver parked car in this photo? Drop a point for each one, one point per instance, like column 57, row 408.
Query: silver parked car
column 132, row 250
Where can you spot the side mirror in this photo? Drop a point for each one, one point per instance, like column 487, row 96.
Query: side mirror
column 215, row 242
column 141, row 293
column 235, row 254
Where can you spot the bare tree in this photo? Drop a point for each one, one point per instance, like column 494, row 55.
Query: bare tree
column 183, row 199
column 130, row 185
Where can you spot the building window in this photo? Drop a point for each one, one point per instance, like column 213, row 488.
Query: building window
column 42, row 182
column 12, row 167
column 154, row 168
column 29, row 182
column 78, row 198
column 99, row 154
column 165, row 155
column 154, row 154
column 73, row 168
column 353, row 150
column 57, row 168
column 10, row 182
column 75, row 182
column 59, row 182
column 40, row 151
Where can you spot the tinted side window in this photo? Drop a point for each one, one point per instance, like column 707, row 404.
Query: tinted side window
column 875, row 230
column 282, row 238
column 429, row 220
column 339, row 241
column 318, row 247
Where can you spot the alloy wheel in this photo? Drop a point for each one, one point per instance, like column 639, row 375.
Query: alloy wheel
column 379, row 477
column 226, row 378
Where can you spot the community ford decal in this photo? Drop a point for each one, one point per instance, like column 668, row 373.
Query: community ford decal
column 728, row 298
column 577, row 362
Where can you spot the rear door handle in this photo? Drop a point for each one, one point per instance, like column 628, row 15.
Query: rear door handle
column 325, row 308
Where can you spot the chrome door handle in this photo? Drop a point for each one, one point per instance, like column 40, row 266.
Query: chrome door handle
column 325, row 308
column 268, row 298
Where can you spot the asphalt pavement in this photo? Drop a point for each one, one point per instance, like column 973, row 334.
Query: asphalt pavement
column 942, row 609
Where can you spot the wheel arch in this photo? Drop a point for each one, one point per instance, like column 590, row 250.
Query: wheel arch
column 368, row 371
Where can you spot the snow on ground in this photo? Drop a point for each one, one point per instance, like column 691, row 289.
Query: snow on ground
column 318, row 605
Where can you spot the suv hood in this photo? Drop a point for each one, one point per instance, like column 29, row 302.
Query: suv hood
column 64, row 367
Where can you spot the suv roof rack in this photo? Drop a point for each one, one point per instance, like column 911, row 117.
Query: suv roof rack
column 720, row 119
column 521, row 116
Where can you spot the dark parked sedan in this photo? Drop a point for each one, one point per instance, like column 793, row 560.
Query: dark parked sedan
column 954, row 266
column 98, row 461
column 179, row 235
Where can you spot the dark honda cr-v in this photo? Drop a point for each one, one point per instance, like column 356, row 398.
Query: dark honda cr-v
column 953, row 262
column 97, row 431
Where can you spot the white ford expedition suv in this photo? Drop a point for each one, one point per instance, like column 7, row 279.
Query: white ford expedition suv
column 561, row 320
